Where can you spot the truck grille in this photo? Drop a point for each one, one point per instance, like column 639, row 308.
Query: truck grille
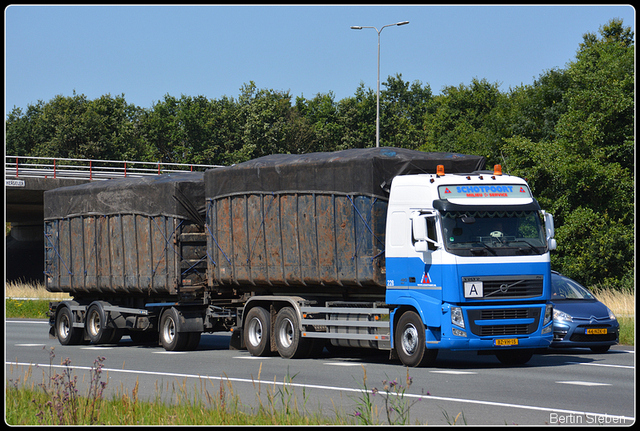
column 480, row 321
column 505, row 287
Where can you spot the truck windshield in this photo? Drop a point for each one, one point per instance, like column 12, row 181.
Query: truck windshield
column 496, row 233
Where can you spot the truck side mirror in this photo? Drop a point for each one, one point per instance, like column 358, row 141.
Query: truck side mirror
column 550, row 230
column 421, row 233
column 420, row 228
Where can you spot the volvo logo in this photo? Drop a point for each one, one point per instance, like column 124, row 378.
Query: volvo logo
column 504, row 287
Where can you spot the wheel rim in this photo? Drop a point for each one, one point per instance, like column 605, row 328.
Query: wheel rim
column 169, row 330
column 64, row 327
column 285, row 333
column 410, row 339
column 255, row 331
column 94, row 323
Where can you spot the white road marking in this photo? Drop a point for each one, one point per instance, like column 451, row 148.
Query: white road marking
column 329, row 388
column 452, row 372
column 261, row 358
column 29, row 345
column 579, row 383
column 342, row 364
column 602, row 365
column 167, row 352
column 96, row 348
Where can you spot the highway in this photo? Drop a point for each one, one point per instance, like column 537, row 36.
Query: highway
column 575, row 387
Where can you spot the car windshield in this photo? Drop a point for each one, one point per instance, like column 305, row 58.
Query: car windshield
column 565, row 288
column 493, row 232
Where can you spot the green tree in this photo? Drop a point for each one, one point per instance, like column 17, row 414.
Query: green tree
column 582, row 170
column 403, row 107
column 74, row 127
column 467, row 119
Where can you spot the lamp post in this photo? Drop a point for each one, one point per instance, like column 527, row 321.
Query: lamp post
column 359, row 27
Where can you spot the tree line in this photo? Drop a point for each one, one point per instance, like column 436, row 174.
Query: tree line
column 570, row 134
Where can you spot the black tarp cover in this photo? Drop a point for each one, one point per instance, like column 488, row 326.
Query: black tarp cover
column 365, row 171
column 151, row 196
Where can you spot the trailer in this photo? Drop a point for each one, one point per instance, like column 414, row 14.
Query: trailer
column 292, row 253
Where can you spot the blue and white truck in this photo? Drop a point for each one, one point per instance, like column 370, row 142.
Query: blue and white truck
column 381, row 248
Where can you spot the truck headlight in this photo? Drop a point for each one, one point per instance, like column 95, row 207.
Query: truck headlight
column 549, row 313
column 457, row 318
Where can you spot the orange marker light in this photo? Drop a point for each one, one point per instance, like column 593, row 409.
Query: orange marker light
column 497, row 170
column 440, row 170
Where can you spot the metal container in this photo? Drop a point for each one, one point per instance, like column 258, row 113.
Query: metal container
column 294, row 243
column 124, row 254
column 132, row 237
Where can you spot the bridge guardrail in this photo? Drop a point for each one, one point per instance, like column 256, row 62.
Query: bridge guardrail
column 89, row 169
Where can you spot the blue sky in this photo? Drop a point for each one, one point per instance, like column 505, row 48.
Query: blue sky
column 146, row 52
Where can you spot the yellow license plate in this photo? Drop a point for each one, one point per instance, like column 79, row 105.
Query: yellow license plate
column 596, row 331
column 505, row 342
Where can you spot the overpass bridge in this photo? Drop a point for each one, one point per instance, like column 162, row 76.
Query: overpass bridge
column 26, row 180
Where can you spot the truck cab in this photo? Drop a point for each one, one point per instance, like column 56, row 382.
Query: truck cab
column 467, row 266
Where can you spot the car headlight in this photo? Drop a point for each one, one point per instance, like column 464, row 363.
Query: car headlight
column 561, row 315
column 611, row 315
column 457, row 318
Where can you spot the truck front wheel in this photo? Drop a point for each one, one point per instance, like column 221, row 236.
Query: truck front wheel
column 410, row 341
column 288, row 337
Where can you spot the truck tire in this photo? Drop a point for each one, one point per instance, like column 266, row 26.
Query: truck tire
column 65, row 332
column 289, row 340
column 96, row 325
column 410, row 341
column 193, row 340
column 515, row 357
column 170, row 338
column 257, row 332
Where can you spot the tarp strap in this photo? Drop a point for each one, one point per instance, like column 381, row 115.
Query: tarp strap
column 255, row 240
column 366, row 224
column 214, row 238
column 58, row 253
column 166, row 244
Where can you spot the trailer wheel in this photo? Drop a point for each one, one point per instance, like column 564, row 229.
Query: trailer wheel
column 257, row 330
column 410, row 341
column 96, row 325
column 289, row 340
column 66, row 333
column 170, row 338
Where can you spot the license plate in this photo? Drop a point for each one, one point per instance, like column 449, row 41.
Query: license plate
column 596, row 331
column 505, row 342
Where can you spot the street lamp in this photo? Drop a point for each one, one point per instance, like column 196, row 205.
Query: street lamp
column 359, row 27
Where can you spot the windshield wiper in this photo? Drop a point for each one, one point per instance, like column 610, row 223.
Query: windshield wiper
column 533, row 247
column 475, row 250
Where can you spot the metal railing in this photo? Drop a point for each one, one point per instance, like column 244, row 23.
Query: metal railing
column 48, row 167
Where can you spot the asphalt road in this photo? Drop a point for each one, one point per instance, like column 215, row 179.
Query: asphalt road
column 561, row 387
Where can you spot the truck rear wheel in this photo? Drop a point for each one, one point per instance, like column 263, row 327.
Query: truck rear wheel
column 65, row 332
column 170, row 338
column 96, row 325
column 410, row 341
column 257, row 330
column 289, row 340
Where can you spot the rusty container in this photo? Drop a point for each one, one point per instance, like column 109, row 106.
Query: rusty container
column 311, row 224
column 135, row 237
